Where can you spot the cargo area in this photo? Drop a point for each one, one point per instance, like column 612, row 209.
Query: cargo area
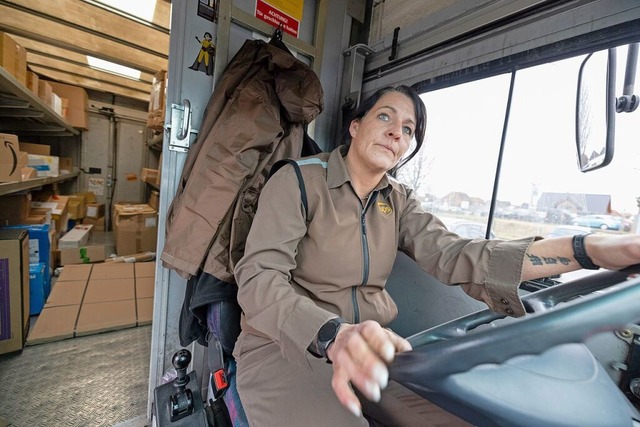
column 80, row 154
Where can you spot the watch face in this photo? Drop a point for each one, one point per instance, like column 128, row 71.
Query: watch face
column 328, row 331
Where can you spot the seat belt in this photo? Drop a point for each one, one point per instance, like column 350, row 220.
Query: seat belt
column 218, row 382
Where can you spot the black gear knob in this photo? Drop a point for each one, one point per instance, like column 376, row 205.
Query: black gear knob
column 181, row 359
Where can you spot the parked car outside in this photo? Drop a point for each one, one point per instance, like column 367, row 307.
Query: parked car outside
column 603, row 222
column 568, row 230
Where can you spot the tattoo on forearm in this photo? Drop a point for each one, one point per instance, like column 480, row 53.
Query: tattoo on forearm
column 536, row 260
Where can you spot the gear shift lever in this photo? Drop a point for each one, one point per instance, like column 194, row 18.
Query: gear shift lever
column 181, row 402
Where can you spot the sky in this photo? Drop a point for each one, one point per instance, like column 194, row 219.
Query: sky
column 464, row 128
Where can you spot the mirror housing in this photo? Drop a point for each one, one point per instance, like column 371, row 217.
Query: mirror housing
column 596, row 110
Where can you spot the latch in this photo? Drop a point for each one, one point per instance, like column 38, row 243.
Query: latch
column 180, row 127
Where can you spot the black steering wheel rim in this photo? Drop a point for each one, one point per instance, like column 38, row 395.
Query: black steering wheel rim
column 448, row 349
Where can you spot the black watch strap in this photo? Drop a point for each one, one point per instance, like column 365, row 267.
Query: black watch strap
column 580, row 253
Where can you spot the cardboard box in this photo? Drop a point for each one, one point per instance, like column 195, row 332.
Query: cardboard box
column 66, row 165
column 145, row 287
column 14, row 208
column 32, row 82
column 154, row 199
column 77, row 237
column 65, row 107
column 44, row 92
column 89, row 197
column 95, row 210
column 42, row 212
column 112, row 271
column 38, row 291
column 83, row 255
column 21, row 65
column 98, row 223
column 75, row 272
column 11, row 169
column 135, row 227
column 54, row 324
column 157, row 101
column 35, row 220
column 78, row 104
column 14, row 289
column 45, row 166
column 28, row 173
column 56, row 103
column 12, row 160
column 77, row 207
column 144, row 310
column 8, row 50
column 100, row 290
column 67, row 293
column 106, row 316
column 149, row 175
column 59, row 211
column 145, row 269
column 39, row 149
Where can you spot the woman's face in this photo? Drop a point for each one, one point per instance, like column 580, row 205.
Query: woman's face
column 383, row 135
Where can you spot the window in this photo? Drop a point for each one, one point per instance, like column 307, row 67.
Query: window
column 540, row 186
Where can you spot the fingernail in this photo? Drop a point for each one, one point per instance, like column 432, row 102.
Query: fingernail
column 381, row 375
column 374, row 391
column 355, row 409
column 388, row 352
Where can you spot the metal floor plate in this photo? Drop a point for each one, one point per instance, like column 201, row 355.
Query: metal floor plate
column 97, row 380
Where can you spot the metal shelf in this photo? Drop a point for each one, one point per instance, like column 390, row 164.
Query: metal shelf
column 16, row 186
column 21, row 111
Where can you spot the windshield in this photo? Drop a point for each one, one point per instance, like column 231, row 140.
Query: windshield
column 541, row 190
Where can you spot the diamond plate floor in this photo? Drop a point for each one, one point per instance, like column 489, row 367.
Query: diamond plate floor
column 97, row 380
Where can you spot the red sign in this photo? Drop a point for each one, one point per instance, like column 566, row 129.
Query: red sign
column 275, row 17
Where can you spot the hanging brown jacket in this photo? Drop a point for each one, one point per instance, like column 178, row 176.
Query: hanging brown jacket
column 256, row 116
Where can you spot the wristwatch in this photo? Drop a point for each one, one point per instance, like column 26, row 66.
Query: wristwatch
column 327, row 335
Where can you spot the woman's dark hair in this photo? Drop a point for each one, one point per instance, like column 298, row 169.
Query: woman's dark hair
column 367, row 104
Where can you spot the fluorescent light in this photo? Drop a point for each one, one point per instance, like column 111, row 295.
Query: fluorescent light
column 143, row 9
column 111, row 67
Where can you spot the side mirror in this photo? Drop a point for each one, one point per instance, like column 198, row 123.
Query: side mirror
column 596, row 110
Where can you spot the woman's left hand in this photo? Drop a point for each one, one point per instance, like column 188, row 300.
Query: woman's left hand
column 613, row 251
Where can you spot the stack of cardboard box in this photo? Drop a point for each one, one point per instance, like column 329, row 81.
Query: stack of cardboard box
column 136, row 228
column 21, row 161
column 68, row 101
column 157, row 102
column 89, row 299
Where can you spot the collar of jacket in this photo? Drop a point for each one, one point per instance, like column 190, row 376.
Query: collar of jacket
column 338, row 174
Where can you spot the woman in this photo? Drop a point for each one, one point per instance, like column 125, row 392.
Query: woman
column 312, row 282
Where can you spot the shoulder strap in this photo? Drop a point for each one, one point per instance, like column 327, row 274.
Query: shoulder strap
column 303, row 192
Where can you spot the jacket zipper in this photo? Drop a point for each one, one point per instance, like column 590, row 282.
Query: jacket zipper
column 365, row 256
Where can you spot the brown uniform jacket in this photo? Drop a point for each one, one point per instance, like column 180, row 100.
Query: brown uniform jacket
column 299, row 270
column 255, row 117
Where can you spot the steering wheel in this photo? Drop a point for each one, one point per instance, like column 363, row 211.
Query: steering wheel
column 454, row 347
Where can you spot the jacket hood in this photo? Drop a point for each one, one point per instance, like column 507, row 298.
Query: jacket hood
column 297, row 86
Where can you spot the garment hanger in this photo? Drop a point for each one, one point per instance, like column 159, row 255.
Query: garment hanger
column 276, row 40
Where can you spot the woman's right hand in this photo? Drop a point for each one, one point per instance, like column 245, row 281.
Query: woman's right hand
column 360, row 355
